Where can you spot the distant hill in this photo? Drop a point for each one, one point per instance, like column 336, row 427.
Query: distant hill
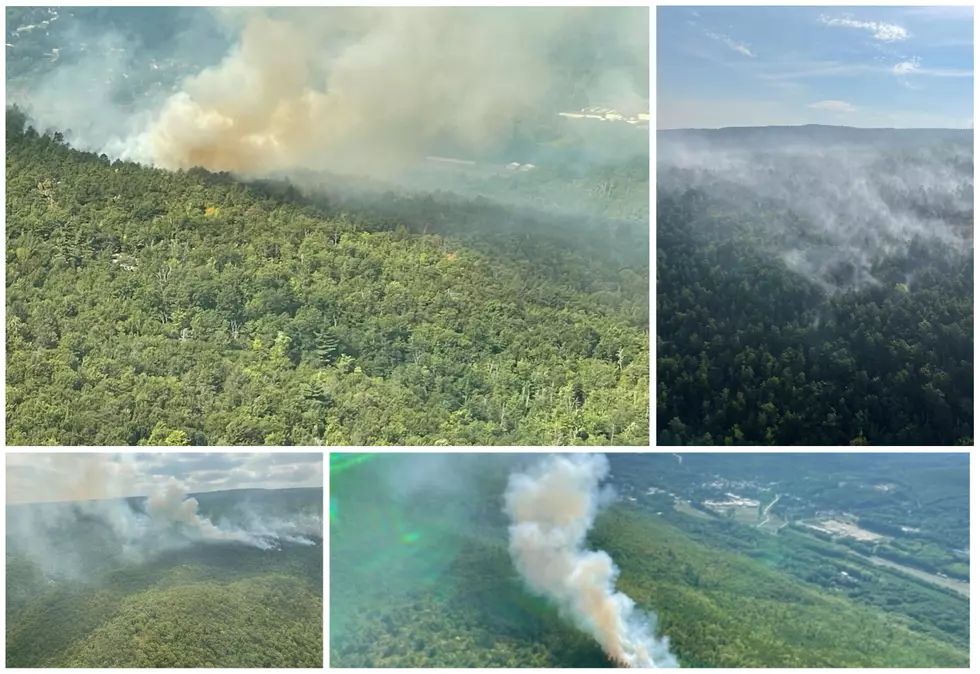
column 813, row 133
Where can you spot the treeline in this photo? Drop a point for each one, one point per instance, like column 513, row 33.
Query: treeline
column 148, row 307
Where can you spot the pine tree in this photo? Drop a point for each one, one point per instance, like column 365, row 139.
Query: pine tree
column 327, row 346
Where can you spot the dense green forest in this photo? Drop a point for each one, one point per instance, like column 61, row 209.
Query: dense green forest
column 786, row 323
column 201, row 605
column 149, row 307
column 421, row 577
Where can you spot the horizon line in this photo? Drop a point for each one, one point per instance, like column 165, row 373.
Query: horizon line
column 118, row 498
column 825, row 126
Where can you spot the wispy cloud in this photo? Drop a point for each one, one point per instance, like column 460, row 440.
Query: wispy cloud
column 823, row 69
column 833, row 106
column 740, row 47
column 886, row 32
column 910, row 66
column 943, row 72
column 906, row 67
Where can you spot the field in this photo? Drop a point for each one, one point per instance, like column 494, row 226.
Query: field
column 845, row 529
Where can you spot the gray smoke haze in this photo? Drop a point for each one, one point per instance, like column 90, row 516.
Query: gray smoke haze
column 81, row 511
column 855, row 203
column 355, row 90
column 552, row 506
column 170, row 508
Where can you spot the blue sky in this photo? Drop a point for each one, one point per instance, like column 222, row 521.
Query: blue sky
column 856, row 66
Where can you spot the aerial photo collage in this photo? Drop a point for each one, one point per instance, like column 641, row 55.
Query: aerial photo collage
column 602, row 336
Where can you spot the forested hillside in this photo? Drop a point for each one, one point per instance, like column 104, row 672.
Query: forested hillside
column 812, row 298
column 195, row 605
column 150, row 307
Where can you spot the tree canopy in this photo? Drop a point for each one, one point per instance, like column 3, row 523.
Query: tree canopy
column 153, row 307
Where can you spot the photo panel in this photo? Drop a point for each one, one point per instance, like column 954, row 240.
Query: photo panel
column 328, row 226
column 814, row 214
column 474, row 560
column 164, row 560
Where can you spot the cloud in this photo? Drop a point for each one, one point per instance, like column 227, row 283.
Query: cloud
column 941, row 72
column 833, row 106
column 67, row 477
column 740, row 47
column 906, row 67
column 823, row 69
column 839, row 69
column 885, row 32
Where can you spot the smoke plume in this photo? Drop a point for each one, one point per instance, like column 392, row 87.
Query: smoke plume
column 169, row 508
column 360, row 90
column 81, row 517
column 552, row 506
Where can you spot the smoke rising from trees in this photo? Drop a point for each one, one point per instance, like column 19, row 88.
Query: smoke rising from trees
column 361, row 90
column 87, row 493
column 832, row 207
column 552, row 506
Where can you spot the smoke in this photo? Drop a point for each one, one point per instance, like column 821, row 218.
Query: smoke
column 831, row 211
column 552, row 506
column 81, row 518
column 271, row 532
column 168, row 508
column 359, row 90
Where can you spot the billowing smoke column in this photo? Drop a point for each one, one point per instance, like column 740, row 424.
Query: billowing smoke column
column 359, row 88
column 282, row 100
column 351, row 89
column 552, row 506
column 169, row 507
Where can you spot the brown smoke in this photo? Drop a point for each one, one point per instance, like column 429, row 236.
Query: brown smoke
column 361, row 89
column 552, row 506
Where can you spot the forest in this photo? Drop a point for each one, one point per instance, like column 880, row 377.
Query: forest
column 198, row 605
column 815, row 287
column 421, row 577
column 154, row 307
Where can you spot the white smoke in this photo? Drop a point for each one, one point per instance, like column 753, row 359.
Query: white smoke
column 170, row 508
column 857, row 203
column 271, row 532
column 552, row 506
column 75, row 488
